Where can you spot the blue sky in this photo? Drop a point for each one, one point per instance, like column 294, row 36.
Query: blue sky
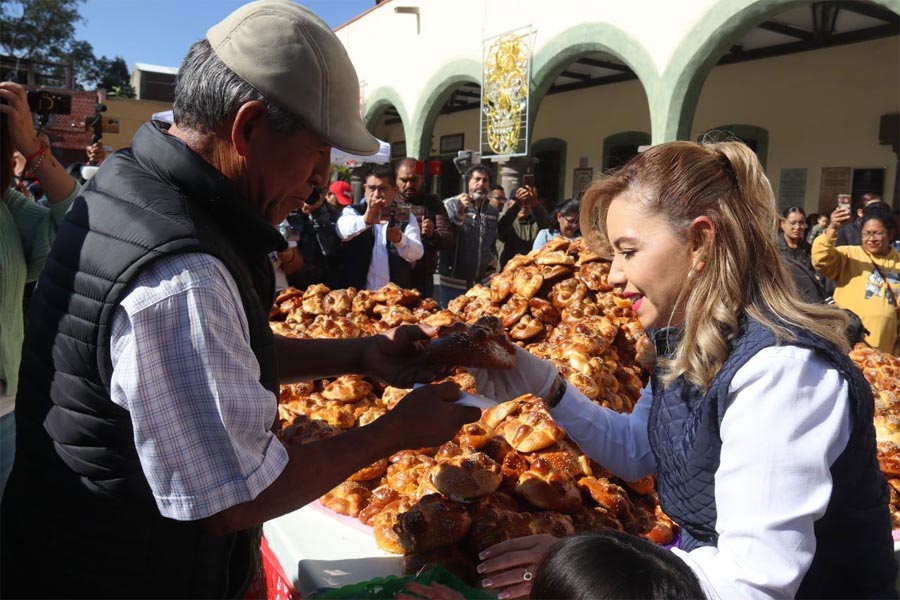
column 159, row 32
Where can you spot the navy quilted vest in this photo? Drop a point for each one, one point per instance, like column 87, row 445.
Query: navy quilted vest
column 77, row 498
column 854, row 554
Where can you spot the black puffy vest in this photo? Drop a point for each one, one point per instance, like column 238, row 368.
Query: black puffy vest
column 854, row 554
column 77, row 500
column 358, row 257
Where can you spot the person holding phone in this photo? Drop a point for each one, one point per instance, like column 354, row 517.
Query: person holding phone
column 437, row 233
column 521, row 222
column 27, row 230
column 380, row 244
column 866, row 276
column 849, row 234
column 473, row 256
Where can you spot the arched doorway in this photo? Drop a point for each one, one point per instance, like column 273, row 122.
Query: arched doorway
column 550, row 167
column 819, row 77
column 589, row 84
column 619, row 148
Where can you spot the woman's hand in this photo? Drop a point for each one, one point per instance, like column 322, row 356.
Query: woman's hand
column 839, row 216
column 531, row 375
column 509, row 566
column 55, row 181
column 18, row 117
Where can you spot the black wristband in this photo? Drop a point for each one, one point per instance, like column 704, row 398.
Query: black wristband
column 561, row 388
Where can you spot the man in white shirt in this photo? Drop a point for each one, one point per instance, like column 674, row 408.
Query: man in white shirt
column 382, row 239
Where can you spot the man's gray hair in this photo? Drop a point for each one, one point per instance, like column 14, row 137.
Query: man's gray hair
column 207, row 92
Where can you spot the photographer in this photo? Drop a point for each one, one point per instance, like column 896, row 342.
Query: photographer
column 316, row 255
column 381, row 240
column 27, row 230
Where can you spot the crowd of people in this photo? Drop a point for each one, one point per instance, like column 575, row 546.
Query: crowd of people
column 400, row 233
column 145, row 382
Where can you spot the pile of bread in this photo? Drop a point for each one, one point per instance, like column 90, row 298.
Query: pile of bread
column 512, row 473
column 883, row 373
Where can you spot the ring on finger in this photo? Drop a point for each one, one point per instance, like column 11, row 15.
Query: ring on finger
column 527, row 575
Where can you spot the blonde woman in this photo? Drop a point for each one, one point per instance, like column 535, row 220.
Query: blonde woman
column 756, row 424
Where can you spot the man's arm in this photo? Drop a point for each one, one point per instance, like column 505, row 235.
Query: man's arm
column 506, row 221
column 184, row 370
column 315, row 468
column 350, row 224
column 410, row 247
column 541, row 216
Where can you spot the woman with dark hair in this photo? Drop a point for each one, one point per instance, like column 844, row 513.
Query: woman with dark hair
column 796, row 251
column 596, row 566
column 565, row 222
column 756, row 423
column 867, row 277
column 26, row 233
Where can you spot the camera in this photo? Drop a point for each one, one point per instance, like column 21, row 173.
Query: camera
column 49, row 103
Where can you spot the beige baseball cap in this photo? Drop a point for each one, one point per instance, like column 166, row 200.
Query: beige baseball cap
column 294, row 59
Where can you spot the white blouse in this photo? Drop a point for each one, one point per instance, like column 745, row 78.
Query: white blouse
column 788, row 420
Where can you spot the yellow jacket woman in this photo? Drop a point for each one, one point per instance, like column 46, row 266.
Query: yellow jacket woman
column 867, row 276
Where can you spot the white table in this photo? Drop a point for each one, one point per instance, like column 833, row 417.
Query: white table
column 319, row 549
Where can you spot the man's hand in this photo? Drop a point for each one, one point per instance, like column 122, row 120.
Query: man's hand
column 395, row 356
column 427, row 228
column 526, row 195
column 291, row 260
column 465, row 200
column 427, row 415
column 373, row 211
column 95, row 153
column 394, row 235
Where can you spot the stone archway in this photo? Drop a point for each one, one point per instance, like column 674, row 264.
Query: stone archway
column 681, row 83
column 439, row 88
column 378, row 102
column 584, row 39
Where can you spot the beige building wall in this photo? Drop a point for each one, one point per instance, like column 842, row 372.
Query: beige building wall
column 131, row 114
column 821, row 108
column 450, row 31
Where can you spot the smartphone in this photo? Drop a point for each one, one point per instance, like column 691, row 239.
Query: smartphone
column 528, row 179
column 844, row 201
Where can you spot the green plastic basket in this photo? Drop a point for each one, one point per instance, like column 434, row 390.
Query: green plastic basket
column 388, row 587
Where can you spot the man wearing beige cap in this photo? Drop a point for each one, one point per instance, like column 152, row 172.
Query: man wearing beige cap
column 145, row 463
